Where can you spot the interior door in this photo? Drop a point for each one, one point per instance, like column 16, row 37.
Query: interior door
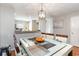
column 74, row 33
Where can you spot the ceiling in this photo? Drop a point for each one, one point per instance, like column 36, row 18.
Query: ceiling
column 52, row 9
column 23, row 10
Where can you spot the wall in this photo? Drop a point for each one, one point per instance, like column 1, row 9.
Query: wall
column 42, row 25
column 74, row 34
column 6, row 25
column 49, row 25
column 62, row 28
column 66, row 30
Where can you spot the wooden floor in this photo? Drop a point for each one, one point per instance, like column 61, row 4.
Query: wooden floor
column 75, row 51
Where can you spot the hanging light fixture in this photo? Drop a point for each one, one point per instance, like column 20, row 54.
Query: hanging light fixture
column 42, row 13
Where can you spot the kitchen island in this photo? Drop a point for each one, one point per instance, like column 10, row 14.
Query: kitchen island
column 49, row 47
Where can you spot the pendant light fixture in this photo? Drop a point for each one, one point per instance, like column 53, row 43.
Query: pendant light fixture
column 42, row 13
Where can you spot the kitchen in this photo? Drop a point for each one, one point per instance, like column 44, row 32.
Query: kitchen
column 25, row 30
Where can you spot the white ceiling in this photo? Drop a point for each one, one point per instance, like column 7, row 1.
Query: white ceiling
column 52, row 9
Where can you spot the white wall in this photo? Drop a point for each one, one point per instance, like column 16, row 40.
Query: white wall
column 42, row 25
column 66, row 30
column 74, row 34
column 61, row 25
column 49, row 25
column 6, row 25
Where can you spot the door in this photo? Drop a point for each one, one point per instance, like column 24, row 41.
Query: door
column 74, row 33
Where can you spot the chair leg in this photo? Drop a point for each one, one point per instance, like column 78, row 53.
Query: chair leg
column 0, row 52
column 7, row 52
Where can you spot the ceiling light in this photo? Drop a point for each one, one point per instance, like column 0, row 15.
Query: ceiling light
column 42, row 13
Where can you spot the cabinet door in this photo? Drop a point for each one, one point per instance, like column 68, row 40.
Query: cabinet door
column 74, row 33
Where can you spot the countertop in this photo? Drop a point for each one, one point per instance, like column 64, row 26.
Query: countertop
column 22, row 32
